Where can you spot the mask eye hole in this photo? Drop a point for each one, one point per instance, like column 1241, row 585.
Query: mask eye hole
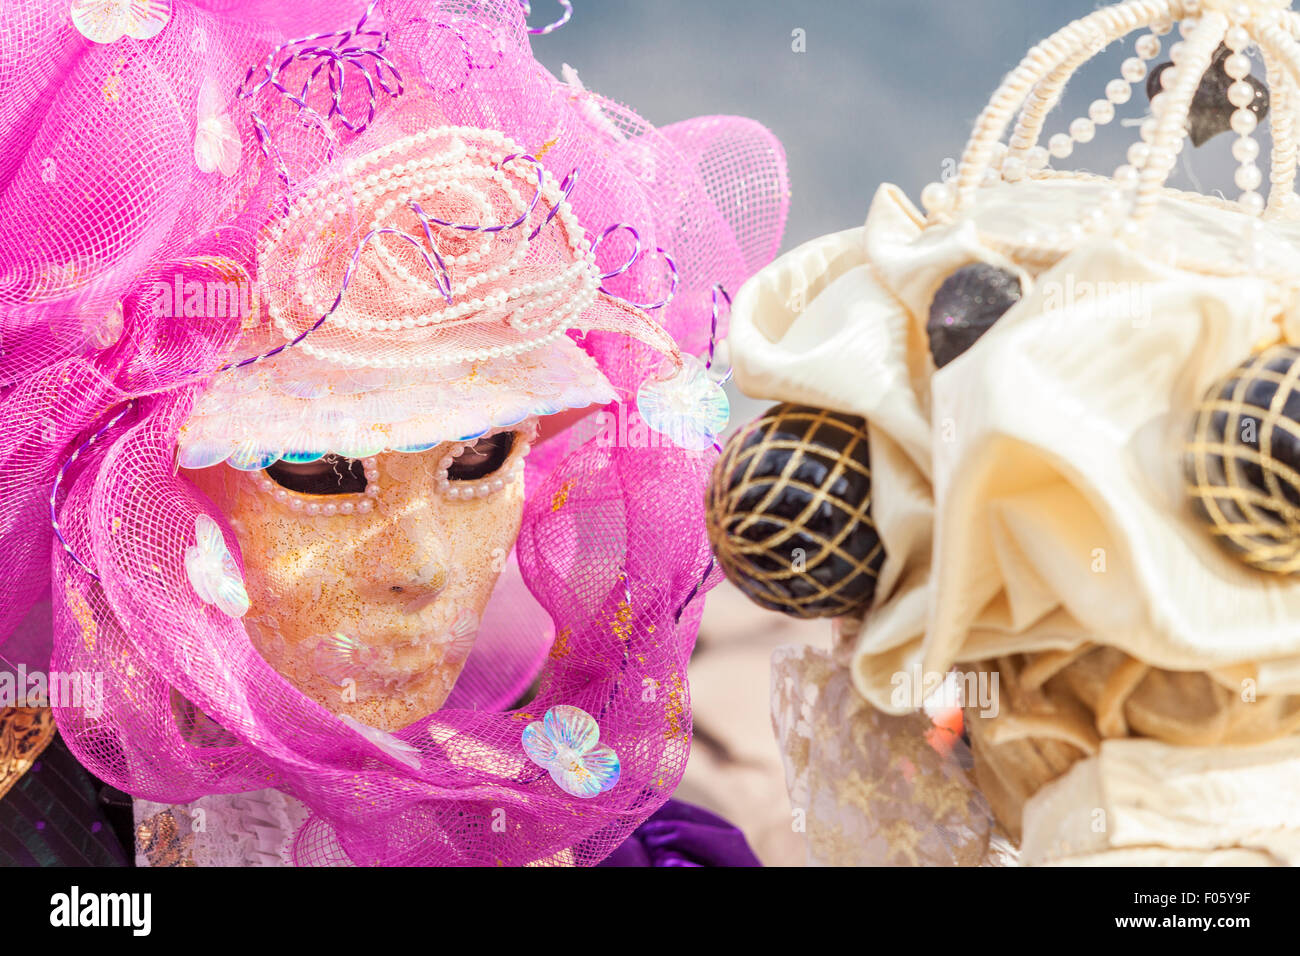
column 482, row 458
column 331, row 475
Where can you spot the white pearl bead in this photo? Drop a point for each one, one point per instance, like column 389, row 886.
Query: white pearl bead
column 295, row 504
column 1082, row 130
column 1133, row 70
column 1162, row 26
column 1126, row 176
column 365, row 506
column 1252, row 202
column 1176, row 53
column 1118, row 91
column 1188, row 26
column 346, row 508
column 1148, row 47
column 330, row 510
column 1243, row 122
column 1138, row 154
column 1241, row 94
column 313, row 509
column 1101, row 112
column 1237, row 66
column 1248, row 176
column 936, row 197
column 1168, row 78
column 1037, row 158
column 1060, row 146
column 1158, row 102
column 1245, row 150
column 1148, row 129
column 1013, row 169
column 1237, row 39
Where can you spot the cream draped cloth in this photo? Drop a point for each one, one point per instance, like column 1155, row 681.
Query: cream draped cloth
column 1029, row 494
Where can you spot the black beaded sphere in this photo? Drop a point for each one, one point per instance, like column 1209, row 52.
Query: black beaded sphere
column 966, row 306
column 789, row 513
column 1242, row 460
column 1211, row 110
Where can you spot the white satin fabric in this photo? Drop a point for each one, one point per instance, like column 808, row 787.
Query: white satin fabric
column 1029, row 493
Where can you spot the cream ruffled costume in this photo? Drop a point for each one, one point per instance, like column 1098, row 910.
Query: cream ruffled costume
column 1030, row 496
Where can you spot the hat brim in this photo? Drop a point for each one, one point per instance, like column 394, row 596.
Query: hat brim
column 295, row 408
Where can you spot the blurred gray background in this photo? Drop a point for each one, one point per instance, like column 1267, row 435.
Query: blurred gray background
column 886, row 90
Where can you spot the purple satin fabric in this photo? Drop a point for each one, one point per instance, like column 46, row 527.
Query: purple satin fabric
column 680, row 834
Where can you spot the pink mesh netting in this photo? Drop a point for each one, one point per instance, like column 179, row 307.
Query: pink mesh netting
column 105, row 191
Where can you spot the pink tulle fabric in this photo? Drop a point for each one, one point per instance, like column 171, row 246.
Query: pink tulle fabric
column 102, row 195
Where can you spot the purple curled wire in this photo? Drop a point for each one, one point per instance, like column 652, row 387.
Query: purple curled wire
column 631, row 260
column 537, row 195
column 335, row 58
column 58, row 480
column 566, row 187
column 716, row 291
column 550, row 27
column 674, row 278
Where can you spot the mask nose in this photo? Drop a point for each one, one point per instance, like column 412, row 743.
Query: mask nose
column 411, row 567
column 417, row 591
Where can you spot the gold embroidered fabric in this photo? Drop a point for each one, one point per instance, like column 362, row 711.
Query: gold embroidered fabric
column 867, row 787
column 24, row 733
column 163, row 839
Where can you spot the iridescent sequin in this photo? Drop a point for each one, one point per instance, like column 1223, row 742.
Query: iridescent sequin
column 690, row 408
column 107, row 21
column 399, row 750
column 566, row 743
column 340, row 657
column 212, row 570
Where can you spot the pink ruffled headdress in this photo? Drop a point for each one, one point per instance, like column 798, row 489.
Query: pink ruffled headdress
column 430, row 236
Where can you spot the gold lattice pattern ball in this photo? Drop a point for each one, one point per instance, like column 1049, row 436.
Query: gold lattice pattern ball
column 1242, row 460
column 789, row 513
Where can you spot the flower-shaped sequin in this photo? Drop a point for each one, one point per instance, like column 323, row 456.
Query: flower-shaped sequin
column 107, row 21
column 566, row 743
column 212, row 570
column 399, row 750
column 690, row 408
column 216, row 141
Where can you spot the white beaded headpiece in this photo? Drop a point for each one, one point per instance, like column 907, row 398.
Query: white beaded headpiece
column 1206, row 88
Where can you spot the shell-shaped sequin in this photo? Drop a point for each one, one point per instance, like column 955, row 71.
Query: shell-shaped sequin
column 566, row 743
column 690, row 408
column 107, row 21
column 212, row 570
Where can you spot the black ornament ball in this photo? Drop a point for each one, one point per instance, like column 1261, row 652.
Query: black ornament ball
column 967, row 304
column 1211, row 111
column 1242, row 460
column 789, row 513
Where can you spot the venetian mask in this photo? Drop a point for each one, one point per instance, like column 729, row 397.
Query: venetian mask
column 367, row 578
